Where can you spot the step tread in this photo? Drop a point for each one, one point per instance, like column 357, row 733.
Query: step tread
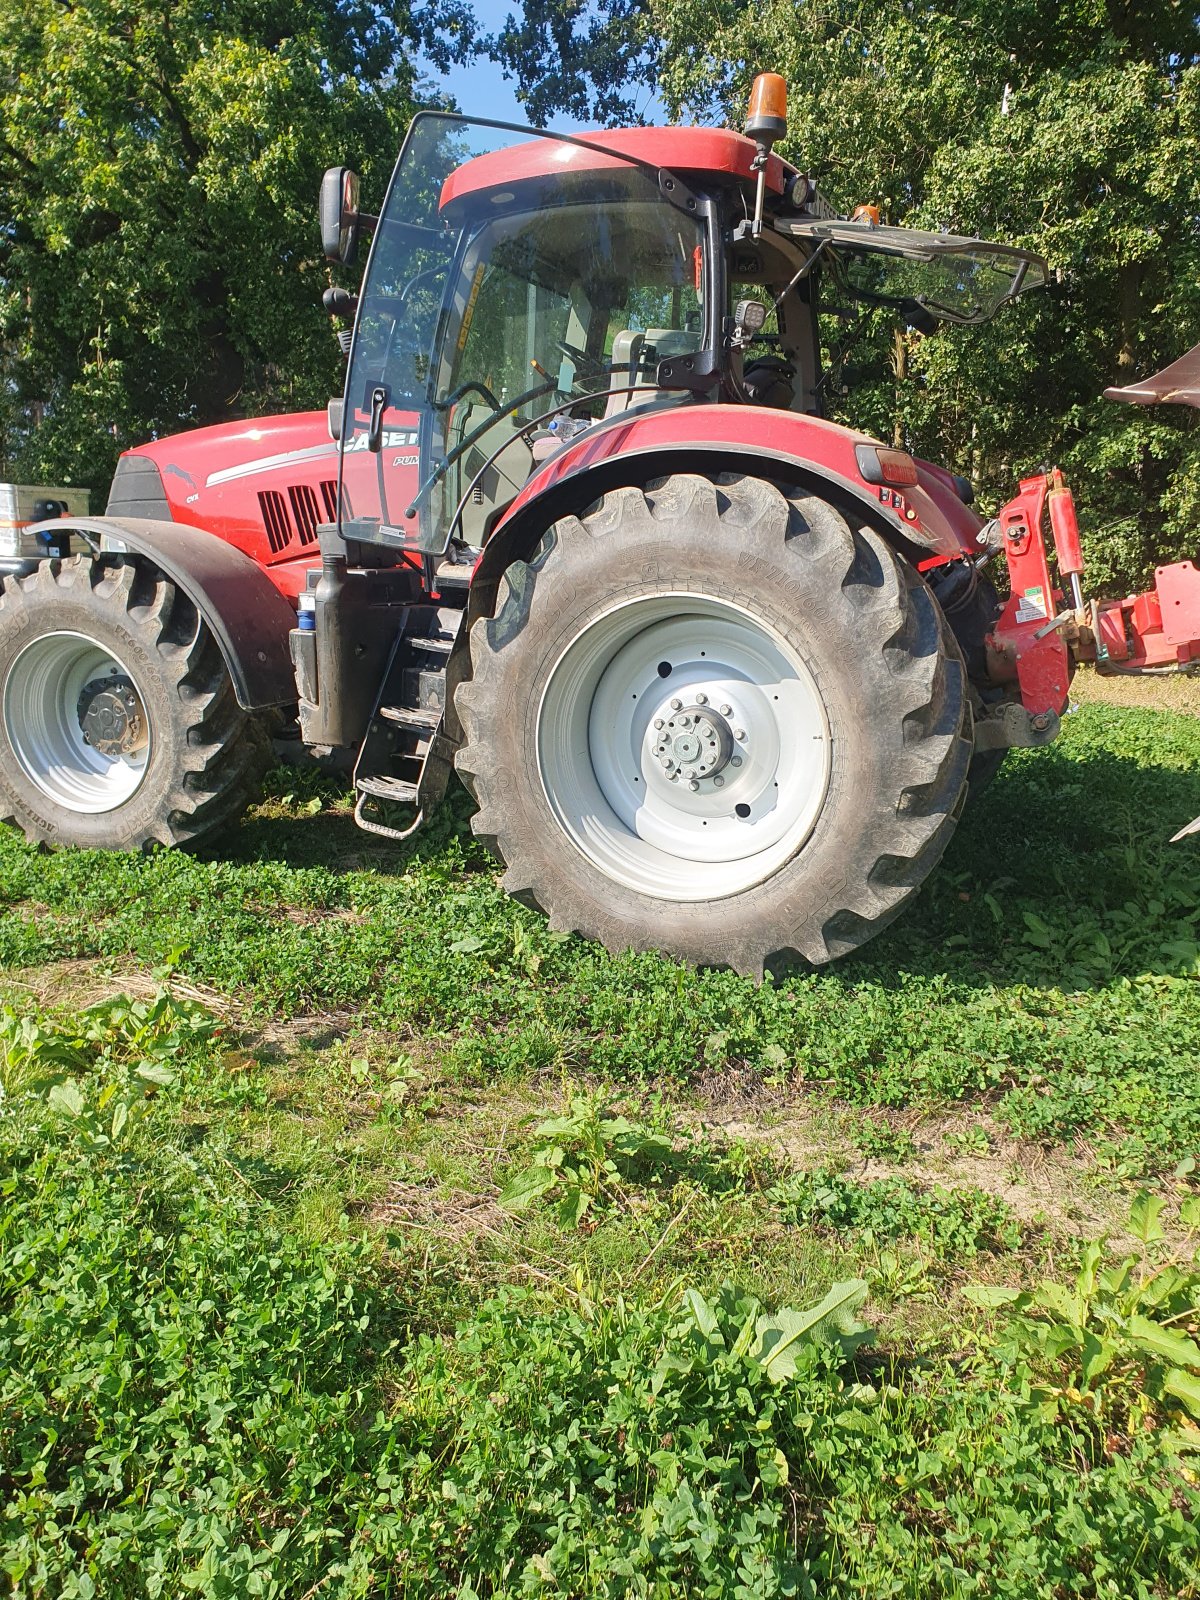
column 383, row 787
column 454, row 574
column 411, row 717
column 426, row 641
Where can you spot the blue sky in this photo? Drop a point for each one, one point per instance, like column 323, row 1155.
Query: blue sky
column 482, row 89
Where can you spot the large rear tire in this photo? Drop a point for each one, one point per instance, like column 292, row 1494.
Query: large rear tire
column 712, row 719
column 119, row 727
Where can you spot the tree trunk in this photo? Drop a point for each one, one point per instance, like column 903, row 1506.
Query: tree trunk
column 900, row 368
column 1129, row 300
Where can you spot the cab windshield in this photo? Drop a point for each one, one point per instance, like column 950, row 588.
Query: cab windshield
column 513, row 280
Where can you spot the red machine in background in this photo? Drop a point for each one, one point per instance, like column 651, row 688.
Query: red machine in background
column 1048, row 623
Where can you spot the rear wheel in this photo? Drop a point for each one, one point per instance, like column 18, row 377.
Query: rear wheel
column 119, row 726
column 712, row 719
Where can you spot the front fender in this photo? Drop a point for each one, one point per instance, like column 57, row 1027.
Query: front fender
column 246, row 613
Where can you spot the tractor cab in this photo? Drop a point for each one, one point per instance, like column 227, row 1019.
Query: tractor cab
column 524, row 287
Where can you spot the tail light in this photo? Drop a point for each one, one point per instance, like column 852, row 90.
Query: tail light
column 878, row 464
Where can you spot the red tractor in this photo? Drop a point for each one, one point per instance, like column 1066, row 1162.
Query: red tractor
column 716, row 670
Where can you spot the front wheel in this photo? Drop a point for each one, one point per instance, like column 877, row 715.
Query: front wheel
column 119, row 727
column 712, row 719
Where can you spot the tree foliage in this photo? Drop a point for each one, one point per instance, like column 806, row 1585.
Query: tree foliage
column 1070, row 128
column 159, row 162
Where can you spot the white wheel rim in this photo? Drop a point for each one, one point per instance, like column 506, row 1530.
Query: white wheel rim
column 730, row 810
column 42, row 701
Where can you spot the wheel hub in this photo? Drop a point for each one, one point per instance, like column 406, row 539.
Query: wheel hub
column 693, row 742
column 111, row 716
column 683, row 746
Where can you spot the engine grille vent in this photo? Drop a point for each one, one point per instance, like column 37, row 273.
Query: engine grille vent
column 304, row 510
column 276, row 522
column 293, row 518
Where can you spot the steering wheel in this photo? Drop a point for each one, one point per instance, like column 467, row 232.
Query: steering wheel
column 586, row 366
column 470, row 387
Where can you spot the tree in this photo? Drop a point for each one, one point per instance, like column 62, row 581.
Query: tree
column 159, row 163
column 596, row 63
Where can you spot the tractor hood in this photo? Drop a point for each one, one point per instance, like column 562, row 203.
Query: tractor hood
column 264, row 485
column 948, row 276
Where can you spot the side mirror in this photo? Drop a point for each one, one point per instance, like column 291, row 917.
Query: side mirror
column 340, row 215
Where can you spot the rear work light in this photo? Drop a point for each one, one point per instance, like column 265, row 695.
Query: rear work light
column 877, row 464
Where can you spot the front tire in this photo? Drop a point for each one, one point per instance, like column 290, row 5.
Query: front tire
column 712, row 719
column 119, row 727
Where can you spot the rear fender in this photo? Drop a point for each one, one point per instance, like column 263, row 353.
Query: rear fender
column 245, row 612
column 805, row 452
column 818, row 456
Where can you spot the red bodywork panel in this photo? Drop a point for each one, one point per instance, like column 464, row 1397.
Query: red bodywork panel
column 716, row 152
column 1041, row 666
column 929, row 513
column 1160, row 628
column 262, row 485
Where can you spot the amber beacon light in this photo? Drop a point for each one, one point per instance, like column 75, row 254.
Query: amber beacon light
column 766, row 122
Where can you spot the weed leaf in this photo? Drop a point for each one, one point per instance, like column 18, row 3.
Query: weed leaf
column 1164, row 1343
column 67, row 1097
column 991, row 1294
column 1185, row 1386
column 527, row 1186
column 831, row 1322
column 1143, row 1218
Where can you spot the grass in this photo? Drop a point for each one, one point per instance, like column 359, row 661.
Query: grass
column 399, row 1246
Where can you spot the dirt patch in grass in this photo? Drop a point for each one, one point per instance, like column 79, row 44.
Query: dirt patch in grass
column 449, row 1213
column 1039, row 1186
column 86, row 982
column 1173, row 693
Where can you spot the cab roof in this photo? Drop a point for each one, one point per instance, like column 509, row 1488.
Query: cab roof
column 716, row 153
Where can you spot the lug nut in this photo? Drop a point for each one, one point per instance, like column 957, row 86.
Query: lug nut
column 724, row 710
column 719, row 781
column 667, row 762
column 658, row 722
column 739, row 734
column 693, row 784
column 689, row 772
column 677, row 704
column 735, row 761
column 701, row 699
